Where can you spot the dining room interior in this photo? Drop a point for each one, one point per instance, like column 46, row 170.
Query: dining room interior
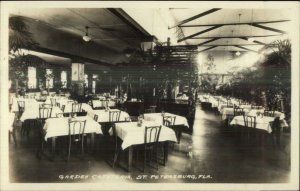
column 150, row 95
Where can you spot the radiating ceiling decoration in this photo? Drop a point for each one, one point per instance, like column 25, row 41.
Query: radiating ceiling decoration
column 210, row 29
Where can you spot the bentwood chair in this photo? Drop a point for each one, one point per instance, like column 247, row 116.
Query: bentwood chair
column 169, row 121
column 276, row 131
column 63, row 108
column 114, row 116
column 269, row 113
column 53, row 101
column 150, row 146
column 250, row 126
column 238, row 111
column 21, row 108
column 44, row 113
column 96, row 117
column 76, row 107
column 76, row 136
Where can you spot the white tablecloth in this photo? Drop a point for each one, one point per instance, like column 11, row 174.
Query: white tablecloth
column 68, row 106
column 103, row 116
column 60, row 126
column 261, row 122
column 33, row 113
column 254, row 112
column 158, row 118
column 29, row 103
column 98, row 103
column 131, row 134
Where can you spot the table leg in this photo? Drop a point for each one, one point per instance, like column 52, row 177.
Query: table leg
column 53, row 142
column 93, row 142
column 166, row 152
column 130, row 153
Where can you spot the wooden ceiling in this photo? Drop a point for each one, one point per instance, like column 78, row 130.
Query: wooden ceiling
column 229, row 29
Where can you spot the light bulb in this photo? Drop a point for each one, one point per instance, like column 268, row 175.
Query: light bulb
column 86, row 38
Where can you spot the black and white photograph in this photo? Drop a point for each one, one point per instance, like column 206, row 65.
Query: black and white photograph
column 126, row 95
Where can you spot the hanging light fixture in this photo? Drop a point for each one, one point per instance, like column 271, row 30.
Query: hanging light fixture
column 251, row 39
column 86, row 37
column 238, row 52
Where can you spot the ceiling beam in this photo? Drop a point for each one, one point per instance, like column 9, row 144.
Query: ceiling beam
column 238, row 46
column 255, row 36
column 256, row 41
column 70, row 56
column 198, row 33
column 234, row 45
column 214, row 39
column 208, row 48
column 122, row 15
column 226, row 24
column 195, row 17
column 268, row 28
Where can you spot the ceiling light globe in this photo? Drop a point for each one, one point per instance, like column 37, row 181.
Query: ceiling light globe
column 86, row 38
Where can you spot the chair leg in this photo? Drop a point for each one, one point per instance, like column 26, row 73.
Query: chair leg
column 115, row 158
column 69, row 150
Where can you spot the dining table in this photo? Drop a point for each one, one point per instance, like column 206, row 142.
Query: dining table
column 158, row 118
column 132, row 134
column 262, row 122
column 103, row 115
column 59, row 126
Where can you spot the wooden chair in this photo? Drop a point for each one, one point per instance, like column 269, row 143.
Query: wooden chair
column 63, row 108
column 238, row 111
column 114, row 116
column 150, row 146
column 276, row 131
column 76, row 136
column 76, row 107
column 96, row 117
column 45, row 112
column 269, row 113
column 21, row 108
column 250, row 126
column 53, row 101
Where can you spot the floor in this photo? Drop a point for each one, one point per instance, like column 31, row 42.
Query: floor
column 212, row 154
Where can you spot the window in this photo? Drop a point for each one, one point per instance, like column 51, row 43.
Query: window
column 49, row 78
column 31, row 77
column 63, row 79
column 86, row 80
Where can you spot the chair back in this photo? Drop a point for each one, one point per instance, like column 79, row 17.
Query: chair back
column 96, row 117
column 76, row 107
column 250, row 121
column 45, row 112
column 45, row 105
column 114, row 116
column 169, row 120
column 276, row 125
column 152, row 134
column 76, row 129
column 53, row 101
column 269, row 113
column 21, row 106
column 238, row 111
column 63, row 108
column 104, row 103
